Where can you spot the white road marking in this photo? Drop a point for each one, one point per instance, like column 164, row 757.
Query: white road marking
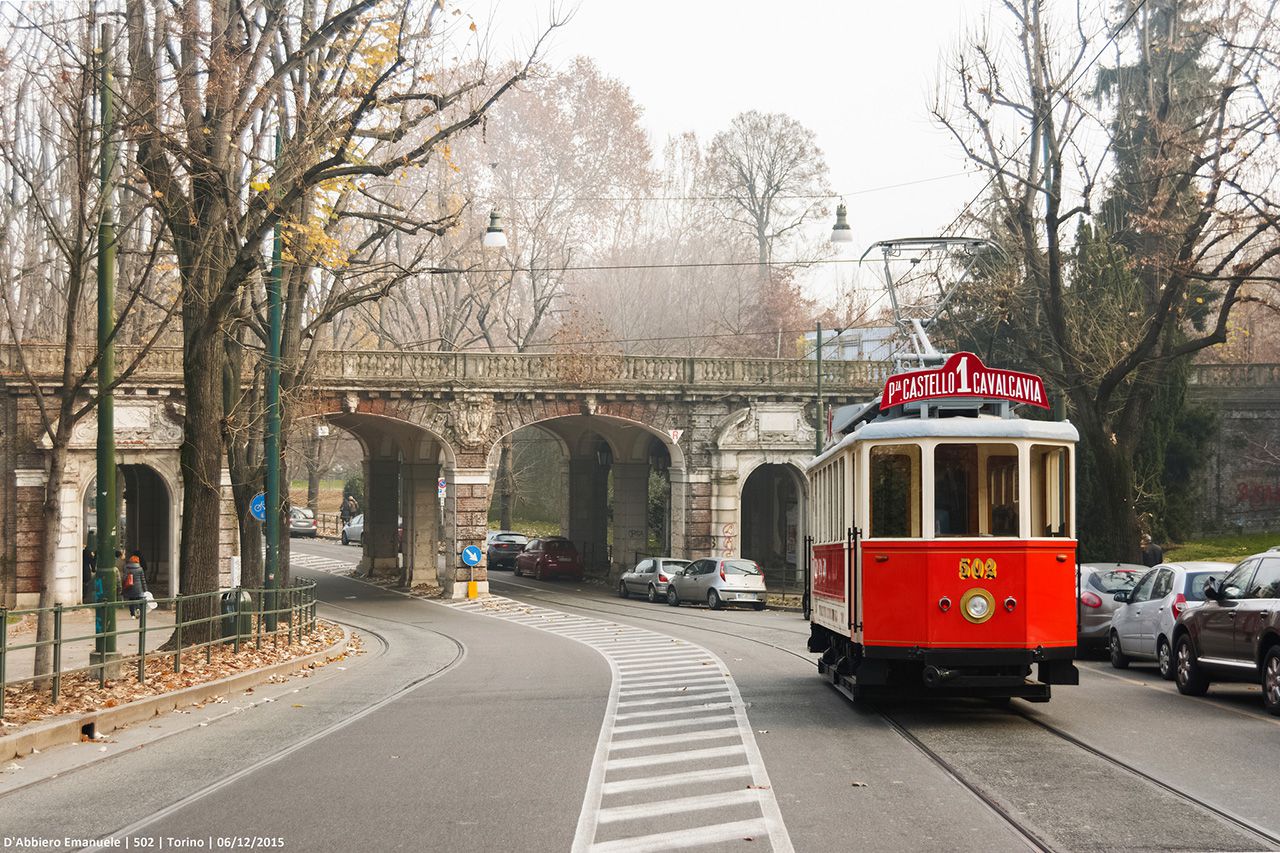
column 662, row 807
column 686, row 687
column 685, row 838
column 670, row 780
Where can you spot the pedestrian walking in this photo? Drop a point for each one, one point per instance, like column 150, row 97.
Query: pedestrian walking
column 350, row 509
column 88, row 568
column 1152, row 555
column 142, row 561
column 134, row 585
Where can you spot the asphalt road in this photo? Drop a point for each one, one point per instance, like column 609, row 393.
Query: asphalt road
column 541, row 718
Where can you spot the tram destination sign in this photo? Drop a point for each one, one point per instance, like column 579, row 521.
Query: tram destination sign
column 964, row 375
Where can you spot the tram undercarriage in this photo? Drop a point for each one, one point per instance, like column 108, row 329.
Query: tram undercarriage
column 884, row 672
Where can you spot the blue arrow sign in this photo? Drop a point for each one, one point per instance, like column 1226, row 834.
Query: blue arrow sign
column 258, row 506
column 471, row 555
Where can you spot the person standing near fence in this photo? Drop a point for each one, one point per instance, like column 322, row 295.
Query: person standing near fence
column 134, row 585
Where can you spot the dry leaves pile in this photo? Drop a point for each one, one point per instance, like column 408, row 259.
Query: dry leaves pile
column 422, row 590
column 80, row 692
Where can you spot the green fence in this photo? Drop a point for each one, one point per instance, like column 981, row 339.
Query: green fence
column 237, row 616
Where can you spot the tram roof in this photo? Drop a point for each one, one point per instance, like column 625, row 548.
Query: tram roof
column 982, row 426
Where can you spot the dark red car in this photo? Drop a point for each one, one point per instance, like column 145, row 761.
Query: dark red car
column 550, row 557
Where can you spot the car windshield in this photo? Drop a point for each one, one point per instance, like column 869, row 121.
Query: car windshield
column 741, row 567
column 674, row 565
column 303, row 512
column 1195, row 585
column 558, row 546
column 1115, row 580
column 511, row 537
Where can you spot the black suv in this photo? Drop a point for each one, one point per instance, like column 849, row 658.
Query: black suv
column 1235, row 636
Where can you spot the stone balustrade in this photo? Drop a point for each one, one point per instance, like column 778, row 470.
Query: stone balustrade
column 497, row 371
column 549, row 371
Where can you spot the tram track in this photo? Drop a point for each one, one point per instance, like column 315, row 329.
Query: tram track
column 1033, row 835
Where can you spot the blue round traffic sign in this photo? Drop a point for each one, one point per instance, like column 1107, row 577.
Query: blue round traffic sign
column 258, row 506
column 471, row 555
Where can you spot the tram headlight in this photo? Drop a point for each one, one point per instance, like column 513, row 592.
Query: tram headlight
column 977, row 605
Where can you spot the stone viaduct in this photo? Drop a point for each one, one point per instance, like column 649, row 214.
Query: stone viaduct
column 728, row 437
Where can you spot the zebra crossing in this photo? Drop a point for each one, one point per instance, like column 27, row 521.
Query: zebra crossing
column 676, row 764
column 317, row 563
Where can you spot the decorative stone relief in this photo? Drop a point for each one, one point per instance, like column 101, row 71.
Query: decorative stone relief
column 778, row 426
column 473, row 419
column 138, row 424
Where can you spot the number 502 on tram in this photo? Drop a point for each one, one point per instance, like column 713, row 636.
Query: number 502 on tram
column 943, row 553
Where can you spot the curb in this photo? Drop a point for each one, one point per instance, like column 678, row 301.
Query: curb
column 68, row 730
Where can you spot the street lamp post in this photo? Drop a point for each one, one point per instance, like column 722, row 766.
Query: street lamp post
column 271, row 438
column 104, row 654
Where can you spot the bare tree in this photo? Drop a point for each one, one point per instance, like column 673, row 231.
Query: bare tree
column 350, row 87
column 51, row 150
column 771, row 175
column 1127, row 258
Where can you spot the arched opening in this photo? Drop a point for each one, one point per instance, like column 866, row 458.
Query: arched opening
column 603, row 482
column 145, row 511
column 402, row 519
column 771, row 524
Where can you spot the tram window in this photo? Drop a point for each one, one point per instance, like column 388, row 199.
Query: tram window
column 1050, row 491
column 955, row 490
column 895, row 491
column 999, row 498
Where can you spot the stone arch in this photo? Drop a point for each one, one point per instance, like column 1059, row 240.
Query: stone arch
column 635, row 448
column 150, row 511
column 404, row 521
column 772, row 505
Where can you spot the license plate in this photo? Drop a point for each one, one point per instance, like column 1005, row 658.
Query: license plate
column 746, row 596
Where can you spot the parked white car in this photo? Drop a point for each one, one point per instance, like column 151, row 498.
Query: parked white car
column 1142, row 625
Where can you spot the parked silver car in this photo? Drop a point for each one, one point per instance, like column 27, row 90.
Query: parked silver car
column 1099, row 583
column 650, row 578
column 1142, row 626
column 354, row 531
column 718, row 581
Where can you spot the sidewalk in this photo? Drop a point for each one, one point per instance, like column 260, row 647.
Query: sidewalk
column 78, row 639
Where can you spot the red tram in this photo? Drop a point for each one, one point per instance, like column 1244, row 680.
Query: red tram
column 943, row 556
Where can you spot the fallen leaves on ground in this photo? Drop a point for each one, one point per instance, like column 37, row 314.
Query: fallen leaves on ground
column 81, row 694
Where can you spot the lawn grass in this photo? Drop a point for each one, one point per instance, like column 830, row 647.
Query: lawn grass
column 532, row 529
column 1228, row 548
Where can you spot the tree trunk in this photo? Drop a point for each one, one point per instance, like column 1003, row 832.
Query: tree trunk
column 314, row 446
column 51, row 513
column 201, row 477
column 1108, row 521
column 506, row 498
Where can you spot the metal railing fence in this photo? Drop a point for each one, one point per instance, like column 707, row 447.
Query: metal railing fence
column 238, row 616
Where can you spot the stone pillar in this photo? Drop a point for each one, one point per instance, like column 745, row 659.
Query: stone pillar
column 421, row 523
column 679, row 512
column 725, row 515
column 471, row 522
column 700, row 539
column 630, row 514
column 381, row 518
column 589, row 511
column 229, row 531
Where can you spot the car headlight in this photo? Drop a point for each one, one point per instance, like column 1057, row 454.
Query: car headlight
column 977, row 605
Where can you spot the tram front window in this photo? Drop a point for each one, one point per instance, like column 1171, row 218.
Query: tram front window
column 975, row 490
column 1050, row 495
column 895, row 491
